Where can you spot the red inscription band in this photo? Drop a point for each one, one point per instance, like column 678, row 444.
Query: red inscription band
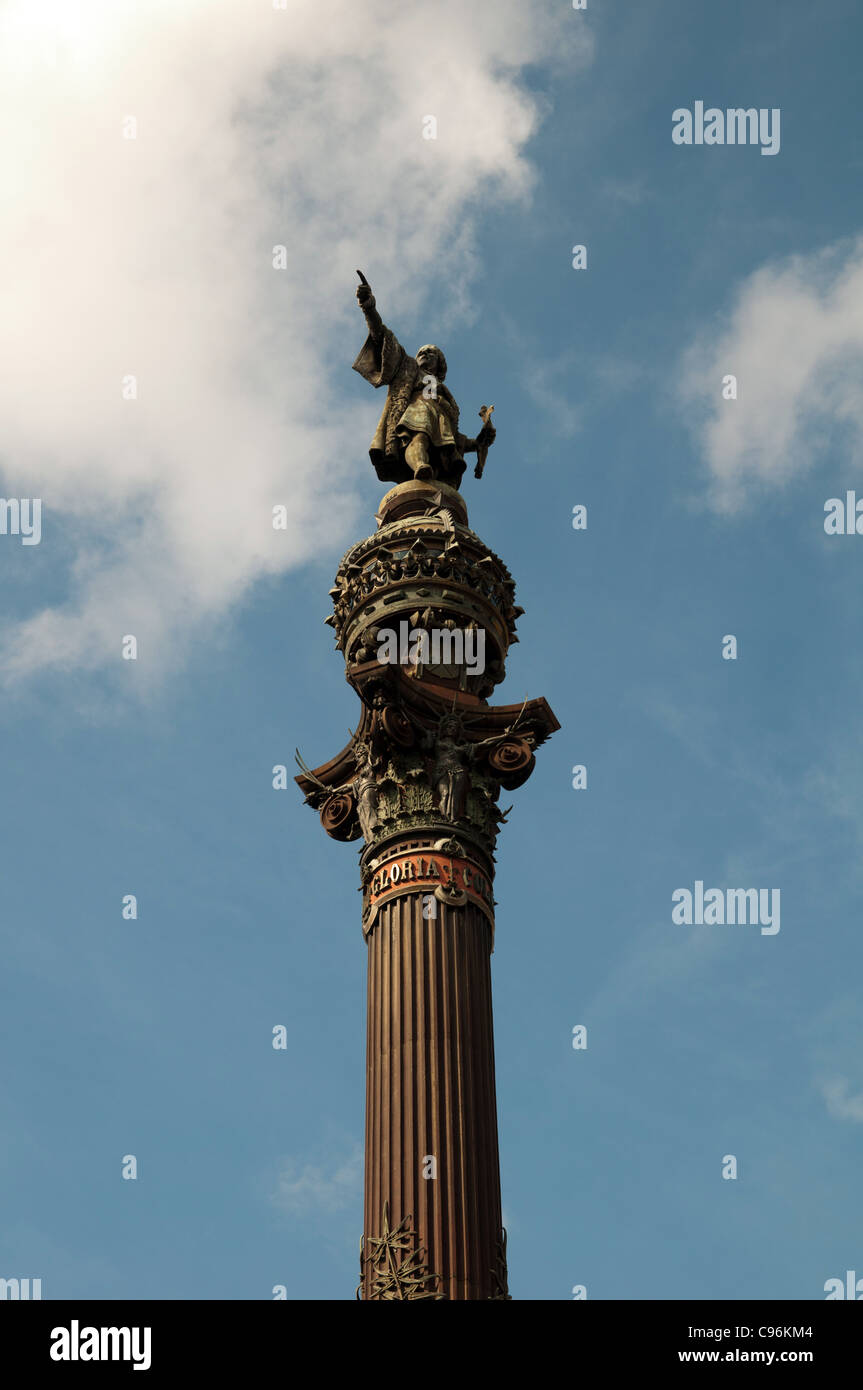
column 424, row 872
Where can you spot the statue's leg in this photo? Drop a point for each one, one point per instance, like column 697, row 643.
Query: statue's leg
column 417, row 456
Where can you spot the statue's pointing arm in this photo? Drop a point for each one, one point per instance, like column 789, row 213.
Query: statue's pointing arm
column 382, row 355
column 366, row 301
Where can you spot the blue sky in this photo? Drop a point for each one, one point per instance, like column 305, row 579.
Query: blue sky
column 153, row 1037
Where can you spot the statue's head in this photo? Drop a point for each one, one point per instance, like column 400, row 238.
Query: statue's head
column 432, row 360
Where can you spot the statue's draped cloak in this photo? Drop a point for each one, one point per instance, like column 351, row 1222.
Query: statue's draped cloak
column 384, row 362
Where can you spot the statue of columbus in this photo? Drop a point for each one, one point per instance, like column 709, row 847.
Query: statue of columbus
column 417, row 435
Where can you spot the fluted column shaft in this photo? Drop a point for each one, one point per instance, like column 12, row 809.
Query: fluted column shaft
column 430, row 1097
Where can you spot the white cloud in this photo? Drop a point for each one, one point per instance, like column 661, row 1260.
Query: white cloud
column 153, row 256
column 304, row 1191
column 840, row 1104
column 627, row 193
column 548, row 383
column 794, row 340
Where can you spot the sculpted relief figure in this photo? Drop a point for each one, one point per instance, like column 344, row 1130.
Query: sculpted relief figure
column 418, row 434
column 365, row 787
column 452, row 771
column 337, row 803
column 454, row 755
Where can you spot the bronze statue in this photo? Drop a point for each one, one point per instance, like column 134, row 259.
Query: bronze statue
column 417, row 435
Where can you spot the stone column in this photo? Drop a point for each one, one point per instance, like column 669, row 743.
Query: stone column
column 419, row 783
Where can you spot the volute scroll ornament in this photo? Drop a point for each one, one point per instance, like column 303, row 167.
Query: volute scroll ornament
column 338, row 816
column 513, row 760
